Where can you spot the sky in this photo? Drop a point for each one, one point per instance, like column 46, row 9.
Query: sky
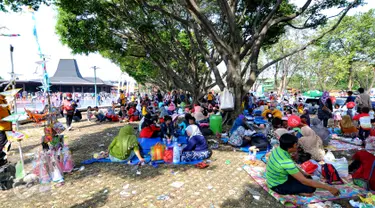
column 26, row 51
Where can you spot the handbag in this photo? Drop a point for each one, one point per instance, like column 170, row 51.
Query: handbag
column 168, row 156
column 363, row 183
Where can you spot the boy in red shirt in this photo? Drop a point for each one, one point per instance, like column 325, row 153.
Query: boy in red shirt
column 363, row 133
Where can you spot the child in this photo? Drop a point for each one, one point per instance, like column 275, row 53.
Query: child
column 167, row 129
column 99, row 114
column 364, row 132
column 89, row 113
column 337, row 115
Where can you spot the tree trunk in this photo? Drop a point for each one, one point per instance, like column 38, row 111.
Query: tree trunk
column 350, row 82
column 372, row 81
column 275, row 77
column 234, row 81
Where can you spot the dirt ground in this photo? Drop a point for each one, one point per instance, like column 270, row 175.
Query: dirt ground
column 222, row 184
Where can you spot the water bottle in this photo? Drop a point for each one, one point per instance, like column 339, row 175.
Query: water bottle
column 176, row 153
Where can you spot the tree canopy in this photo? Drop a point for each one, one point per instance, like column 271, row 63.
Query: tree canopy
column 16, row 5
column 229, row 31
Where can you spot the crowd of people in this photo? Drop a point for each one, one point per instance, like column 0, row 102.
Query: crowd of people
column 285, row 128
column 294, row 136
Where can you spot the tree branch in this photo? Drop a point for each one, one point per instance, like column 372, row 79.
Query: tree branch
column 208, row 28
column 310, row 42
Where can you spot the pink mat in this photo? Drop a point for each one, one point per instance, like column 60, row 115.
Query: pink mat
column 348, row 190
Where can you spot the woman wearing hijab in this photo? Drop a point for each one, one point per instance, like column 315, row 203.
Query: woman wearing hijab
column 321, row 131
column 237, row 133
column 311, row 144
column 197, row 148
column 124, row 146
column 325, row 108
column 347, row 127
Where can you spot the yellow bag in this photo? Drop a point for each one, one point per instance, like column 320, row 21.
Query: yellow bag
column 157, row 152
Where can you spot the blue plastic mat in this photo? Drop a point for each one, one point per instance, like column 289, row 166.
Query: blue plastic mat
column 135, row 161
column 146, row 144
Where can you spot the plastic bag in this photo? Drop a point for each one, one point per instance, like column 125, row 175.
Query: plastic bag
column 309, row 167
column 168, row 156
column 157, row 152
column 341, row 166
column 226, row 100
column 370, row 143
column 329, row 156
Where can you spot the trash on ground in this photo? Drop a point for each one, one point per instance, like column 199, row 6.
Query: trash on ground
column 177, row 184
column 163, row 197
column 124, row 194
column 138, row 172
column 210, row 187
column 227, row 162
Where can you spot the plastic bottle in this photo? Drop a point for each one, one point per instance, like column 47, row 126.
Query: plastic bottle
column 176, row 153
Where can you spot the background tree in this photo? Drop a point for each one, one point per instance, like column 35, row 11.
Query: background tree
column 352, row 44
column 148, row 46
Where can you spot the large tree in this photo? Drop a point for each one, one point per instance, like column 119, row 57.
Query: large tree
column 229, row 31
column 237, row 30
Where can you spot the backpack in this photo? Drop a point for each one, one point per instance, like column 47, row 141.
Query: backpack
column 365, row 123
column 7, row 174
column 330, row 173
column 260, row 141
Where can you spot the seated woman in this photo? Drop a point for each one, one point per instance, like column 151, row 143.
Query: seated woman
column 197, row 147
column 311, row 144
column 133, row 114
column 283, row 176
column 149, row 129
column 347, row 127
column 124, row 146
column 272, row 112
column 321, row 131
column 237, row 133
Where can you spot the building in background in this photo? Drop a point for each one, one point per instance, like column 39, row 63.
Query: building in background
column 67, row 78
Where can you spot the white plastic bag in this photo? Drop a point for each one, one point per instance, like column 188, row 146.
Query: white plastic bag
column 370, row 143
column 226, row 100
column 329, row 157
column 341, row 166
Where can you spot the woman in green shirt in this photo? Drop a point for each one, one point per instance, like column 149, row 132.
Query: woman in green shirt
column 124, row 146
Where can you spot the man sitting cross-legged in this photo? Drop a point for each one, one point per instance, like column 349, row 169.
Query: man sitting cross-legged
column 284, row 177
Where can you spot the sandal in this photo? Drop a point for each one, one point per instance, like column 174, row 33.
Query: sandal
column 201, row 165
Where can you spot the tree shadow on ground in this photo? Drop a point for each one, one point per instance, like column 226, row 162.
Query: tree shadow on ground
column 248, row 198
column 88, row 144
column 98, row 199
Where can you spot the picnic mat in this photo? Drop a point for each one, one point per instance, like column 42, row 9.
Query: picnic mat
column 347, row 190
column 135, row 161
column 146, row 144
column 335, row 145
column 346, row 140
